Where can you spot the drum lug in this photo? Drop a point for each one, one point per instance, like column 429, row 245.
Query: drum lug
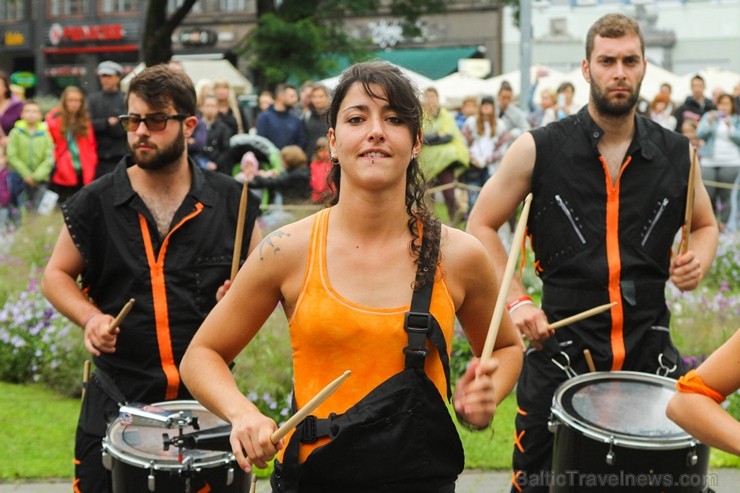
column 229, row 476
column 553, row 425
column 107, row 460
column 611, row 456
column 692, row 458
column 150, row 479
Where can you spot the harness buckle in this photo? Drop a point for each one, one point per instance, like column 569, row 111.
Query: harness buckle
column 309, row 434
column 418, row 322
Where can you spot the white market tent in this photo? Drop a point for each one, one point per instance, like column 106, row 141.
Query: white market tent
column 199, row 70
column 419, row 80
column 457, row 86
column 714, row 78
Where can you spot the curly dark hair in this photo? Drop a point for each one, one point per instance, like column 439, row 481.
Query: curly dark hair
column 384, row 81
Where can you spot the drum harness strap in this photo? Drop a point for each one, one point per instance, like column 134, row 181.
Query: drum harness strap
column 107, row 385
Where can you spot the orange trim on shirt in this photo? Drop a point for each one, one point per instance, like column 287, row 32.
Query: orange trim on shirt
column 691, row 383
column 159, row 295
column 614, row 263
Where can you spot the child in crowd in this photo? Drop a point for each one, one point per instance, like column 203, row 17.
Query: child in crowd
column 29, row 154
column 4, row 188
column 320, row 166
column 293, row 183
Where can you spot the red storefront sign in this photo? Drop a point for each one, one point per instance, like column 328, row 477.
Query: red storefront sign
column 85, row 33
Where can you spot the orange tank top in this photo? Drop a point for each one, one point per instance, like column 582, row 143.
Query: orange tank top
column 330, row 334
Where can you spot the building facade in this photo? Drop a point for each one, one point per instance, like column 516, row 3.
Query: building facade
column 682, row 36
column 55, row 43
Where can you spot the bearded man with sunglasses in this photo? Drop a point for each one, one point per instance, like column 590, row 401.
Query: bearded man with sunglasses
column 157, row 229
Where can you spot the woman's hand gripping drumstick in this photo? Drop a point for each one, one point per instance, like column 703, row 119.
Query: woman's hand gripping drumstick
column 246, row 439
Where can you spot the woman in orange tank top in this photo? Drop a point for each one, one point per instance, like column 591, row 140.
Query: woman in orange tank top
column 345, row 277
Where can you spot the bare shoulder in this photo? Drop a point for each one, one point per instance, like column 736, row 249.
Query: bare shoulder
column 463, row 253
column 285, row 245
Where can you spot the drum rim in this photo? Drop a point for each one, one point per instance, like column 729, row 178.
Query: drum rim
column 617, row 439
column 167, row 464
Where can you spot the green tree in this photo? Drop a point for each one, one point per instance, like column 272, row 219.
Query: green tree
column 301, row 39
column 156, row 46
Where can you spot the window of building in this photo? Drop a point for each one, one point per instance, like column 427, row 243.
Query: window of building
column 210, row 6
column 12, row 11
column 62, row 8
column 119, row 6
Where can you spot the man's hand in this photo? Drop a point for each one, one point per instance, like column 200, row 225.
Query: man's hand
column 685, row 271
column 532, row 324
column 97, row 338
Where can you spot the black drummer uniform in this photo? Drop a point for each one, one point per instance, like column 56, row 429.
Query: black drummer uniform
column 596, row 242
column 173, row 280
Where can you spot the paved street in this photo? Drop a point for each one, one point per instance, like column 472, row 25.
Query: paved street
column 721, row 481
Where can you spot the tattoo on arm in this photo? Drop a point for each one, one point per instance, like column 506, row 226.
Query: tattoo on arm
column 268, row 241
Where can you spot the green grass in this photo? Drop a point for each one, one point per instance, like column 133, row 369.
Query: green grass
column 38, row 433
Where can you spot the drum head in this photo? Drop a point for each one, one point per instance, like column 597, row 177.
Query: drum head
column 627, row 408
column 142, row 445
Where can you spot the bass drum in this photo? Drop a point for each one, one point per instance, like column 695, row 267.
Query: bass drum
column 138, row 463
column 612, row 434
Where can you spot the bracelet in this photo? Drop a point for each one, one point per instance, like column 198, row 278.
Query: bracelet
column 521, row 301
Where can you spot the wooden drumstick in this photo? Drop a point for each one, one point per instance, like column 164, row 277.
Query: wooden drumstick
column 239, row 232
column 589, row 360
column 121, row 315
column 683, row 246
column 580, row 316
column 253, row 487
column 85, row 377
column 498, row 311
column 309, row 407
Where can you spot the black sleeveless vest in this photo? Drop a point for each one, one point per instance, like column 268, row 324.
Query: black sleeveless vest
column 597, row 242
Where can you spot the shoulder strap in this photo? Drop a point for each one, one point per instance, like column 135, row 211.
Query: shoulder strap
column 419, row 323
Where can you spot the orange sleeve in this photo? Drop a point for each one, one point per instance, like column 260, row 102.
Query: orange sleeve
column 691, row 383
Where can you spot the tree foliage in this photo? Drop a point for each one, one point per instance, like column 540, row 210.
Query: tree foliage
column 300, row 39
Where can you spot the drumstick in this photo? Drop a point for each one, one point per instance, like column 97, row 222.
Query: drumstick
column 253, row 488
column 308, row 408
column 589, row 360
column 85, row 377
column 580, row 316
column 683, row 246
column 239, row 232
column 498, row 311
column 121, row 315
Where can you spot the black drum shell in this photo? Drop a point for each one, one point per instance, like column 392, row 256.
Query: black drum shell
column 131, row 461
column 580, row 455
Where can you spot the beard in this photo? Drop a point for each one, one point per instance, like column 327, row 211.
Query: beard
column 614, row 107
column 162, row 157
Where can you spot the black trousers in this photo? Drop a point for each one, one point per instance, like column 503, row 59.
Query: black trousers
column 97, row 412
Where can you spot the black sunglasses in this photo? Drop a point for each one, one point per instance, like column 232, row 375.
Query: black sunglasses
column 155, row 123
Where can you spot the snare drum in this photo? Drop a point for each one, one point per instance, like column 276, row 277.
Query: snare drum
column 138, row 463
column 611, row 433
